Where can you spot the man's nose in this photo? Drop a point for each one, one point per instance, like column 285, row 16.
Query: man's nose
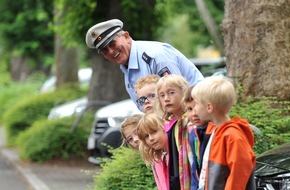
column 109, row 50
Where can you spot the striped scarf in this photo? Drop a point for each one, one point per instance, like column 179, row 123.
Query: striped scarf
column 184, row 152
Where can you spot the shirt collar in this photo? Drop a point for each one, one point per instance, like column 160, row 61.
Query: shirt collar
column 133, row 59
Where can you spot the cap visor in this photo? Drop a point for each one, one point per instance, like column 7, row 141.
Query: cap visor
column 105, row 43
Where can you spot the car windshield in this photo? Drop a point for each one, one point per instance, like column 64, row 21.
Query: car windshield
column 274, row 162
column 265, row 169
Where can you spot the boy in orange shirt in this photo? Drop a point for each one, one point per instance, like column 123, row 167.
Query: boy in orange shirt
column 228, row 160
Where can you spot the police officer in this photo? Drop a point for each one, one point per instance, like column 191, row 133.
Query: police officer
column 138, row 58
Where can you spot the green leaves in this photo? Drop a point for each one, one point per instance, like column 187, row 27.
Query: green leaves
column 124, row 171
column 272, row 117
column 52, row 139
column 24, row 29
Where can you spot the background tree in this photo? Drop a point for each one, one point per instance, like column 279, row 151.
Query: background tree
column 210, row 25
column 65, row 57
column 25, row 37
column 257, row 46
column 184, row 14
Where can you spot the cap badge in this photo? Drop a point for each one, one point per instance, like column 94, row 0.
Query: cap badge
column 93, row 34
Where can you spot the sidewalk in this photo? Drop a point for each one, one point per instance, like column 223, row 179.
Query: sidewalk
column 53, row 175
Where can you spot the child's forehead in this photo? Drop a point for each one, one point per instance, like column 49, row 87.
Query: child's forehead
column 129, row 129
column 149, row 86
column 149, row 129
column 190, row 103
column 167, row 86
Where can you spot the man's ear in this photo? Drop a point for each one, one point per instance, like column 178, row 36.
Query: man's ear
column 209, row 108
column 127, row 37
column 126, row 34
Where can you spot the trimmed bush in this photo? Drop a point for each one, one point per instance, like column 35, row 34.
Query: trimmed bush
column 21, row 116
column 124, row 171
column 53, row 139
column 12, row 93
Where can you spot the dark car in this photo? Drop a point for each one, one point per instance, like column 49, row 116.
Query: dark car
column 273, row 169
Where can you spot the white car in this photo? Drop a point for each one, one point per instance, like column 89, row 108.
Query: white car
column 84, row 74
column 68, row 109
column 74, row 107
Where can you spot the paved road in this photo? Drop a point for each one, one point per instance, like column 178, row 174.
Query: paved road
column 15, row 174
column 10, row 179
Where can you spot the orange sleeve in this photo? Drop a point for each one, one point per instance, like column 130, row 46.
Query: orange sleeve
column 240, row 159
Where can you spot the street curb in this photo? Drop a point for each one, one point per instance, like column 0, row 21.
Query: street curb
column 26, row 172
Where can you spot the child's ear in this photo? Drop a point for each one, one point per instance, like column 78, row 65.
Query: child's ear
column 209, row 108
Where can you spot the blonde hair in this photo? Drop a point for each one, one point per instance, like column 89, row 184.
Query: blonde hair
column 172, row 80
column 129, row 121
column 148, row 123
column 187, row 98
column 148, row 79
column 217, row 90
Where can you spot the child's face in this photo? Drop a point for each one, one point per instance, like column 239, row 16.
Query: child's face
column 200, row 110
column 147, row 92
column 170, row 99
column 131, row 136
column 191, row 114
column 156, row 139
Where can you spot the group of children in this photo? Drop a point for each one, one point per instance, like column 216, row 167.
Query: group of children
column 187, row 136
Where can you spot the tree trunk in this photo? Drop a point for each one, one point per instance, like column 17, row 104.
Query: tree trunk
column 257, row 46
column 210, row 25
column 66, row 58
column 19, row 69
column 66, row 61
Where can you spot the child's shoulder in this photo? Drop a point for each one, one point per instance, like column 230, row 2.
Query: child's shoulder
column 210, row 128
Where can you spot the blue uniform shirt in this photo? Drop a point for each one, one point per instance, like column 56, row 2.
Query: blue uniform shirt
column 149, row 57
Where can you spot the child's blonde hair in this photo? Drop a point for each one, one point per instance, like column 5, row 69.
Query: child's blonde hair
column 217, row 90
column 148, row 79
column 129, row 121
column 149, row 123
column 172, row 80
column 187, row 98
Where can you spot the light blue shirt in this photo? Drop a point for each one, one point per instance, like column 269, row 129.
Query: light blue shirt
column 149, row 57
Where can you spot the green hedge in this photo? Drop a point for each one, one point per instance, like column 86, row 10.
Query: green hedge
column 124, row 171
column 12, row 92
column 53, row 139
column 23, row 114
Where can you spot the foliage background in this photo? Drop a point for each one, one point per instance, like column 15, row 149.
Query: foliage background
column 27, row 28
column 52, row 139
column 126, row 171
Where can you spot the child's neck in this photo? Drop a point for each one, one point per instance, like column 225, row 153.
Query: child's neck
column 178, row 115
column 220, row 119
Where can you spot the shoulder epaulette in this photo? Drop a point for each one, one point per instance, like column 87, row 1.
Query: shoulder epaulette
column 146, row 58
